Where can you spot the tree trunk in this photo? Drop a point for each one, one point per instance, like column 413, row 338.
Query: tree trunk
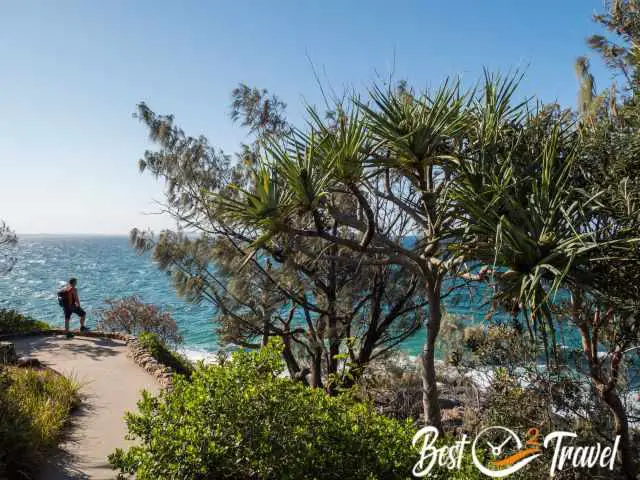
column 334, row 344
column 608, row 394
column 621, row 428
column 316, row 368
column 332, row 320
column 292, row 364
column 430, row 398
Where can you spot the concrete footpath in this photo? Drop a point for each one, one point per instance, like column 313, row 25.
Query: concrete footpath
column 110, row 384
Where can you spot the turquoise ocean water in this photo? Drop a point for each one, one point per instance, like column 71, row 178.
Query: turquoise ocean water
column 107, row 267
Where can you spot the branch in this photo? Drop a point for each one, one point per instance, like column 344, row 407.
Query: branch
column 371, row 221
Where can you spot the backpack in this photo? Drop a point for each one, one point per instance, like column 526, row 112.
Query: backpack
column 63, row 297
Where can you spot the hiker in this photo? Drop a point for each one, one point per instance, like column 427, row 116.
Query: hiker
column 70, row 302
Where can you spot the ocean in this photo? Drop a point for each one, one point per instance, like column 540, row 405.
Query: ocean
column 108, row 267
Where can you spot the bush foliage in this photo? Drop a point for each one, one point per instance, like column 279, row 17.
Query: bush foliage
column 159, row 350
column 34, row 409
column 14, row 322
column 132, row 316
column 244, row 420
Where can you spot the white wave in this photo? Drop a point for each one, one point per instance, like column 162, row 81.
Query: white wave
column 196, row 354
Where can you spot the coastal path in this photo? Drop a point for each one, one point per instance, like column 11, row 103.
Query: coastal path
column 110, row 384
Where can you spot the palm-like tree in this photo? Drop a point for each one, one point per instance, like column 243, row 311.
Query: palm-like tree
column 392, row 162
column 543, row 228
column 527, row 223
column 472, row 177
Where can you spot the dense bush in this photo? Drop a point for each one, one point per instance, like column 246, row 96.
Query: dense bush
column 159, row 350
column 394, row 386
column 14, row 322
column 244, row 420
column 132, row 316
column 548, row 401
column 34, row 408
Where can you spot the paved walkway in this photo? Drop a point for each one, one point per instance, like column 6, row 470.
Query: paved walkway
column 110, row 385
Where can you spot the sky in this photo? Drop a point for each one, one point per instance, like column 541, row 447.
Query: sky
column 72, row 72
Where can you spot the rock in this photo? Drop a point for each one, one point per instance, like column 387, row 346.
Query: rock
column 162, row 373
column 449, row 403
column 8, row 353
column 450, row 375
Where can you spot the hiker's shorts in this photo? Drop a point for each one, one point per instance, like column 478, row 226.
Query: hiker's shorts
column 71, row 309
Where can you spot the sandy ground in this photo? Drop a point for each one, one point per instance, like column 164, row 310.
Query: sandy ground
column 110, row 385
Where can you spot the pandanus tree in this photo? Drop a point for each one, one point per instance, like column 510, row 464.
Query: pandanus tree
column 547, row 230
column 520, row 218
column 393, row 160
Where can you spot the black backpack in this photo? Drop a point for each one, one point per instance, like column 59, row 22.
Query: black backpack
column 63, row 296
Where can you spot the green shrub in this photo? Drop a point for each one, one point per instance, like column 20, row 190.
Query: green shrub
column 34, row 409
column 244, row 420
column 14, row 322
column 159, row 350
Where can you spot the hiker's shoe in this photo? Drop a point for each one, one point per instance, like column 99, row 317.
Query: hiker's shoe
column 69, row 335
column 84, row 329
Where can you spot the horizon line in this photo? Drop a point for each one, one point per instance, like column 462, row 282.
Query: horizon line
column 70, row 234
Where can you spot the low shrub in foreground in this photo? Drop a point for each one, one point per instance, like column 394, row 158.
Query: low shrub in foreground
column 131, row 315
column 14, row 322
column 244, row 420
column 34, row 409
column 159, row 350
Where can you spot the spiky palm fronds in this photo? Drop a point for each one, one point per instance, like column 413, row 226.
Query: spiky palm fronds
column 493, row 110
column 304, row 173
column 264, row 207
column 417, row 131
column 538, row 241
column 344, row 146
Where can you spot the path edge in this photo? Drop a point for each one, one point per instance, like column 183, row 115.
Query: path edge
column 142, row 357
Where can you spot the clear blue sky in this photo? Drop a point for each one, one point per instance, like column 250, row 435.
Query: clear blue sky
column 71, row 73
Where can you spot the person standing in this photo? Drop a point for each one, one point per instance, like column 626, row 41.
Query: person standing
column 70, row 302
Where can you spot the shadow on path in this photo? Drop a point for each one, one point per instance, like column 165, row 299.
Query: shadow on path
column 110, row 385
column 95, row 348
